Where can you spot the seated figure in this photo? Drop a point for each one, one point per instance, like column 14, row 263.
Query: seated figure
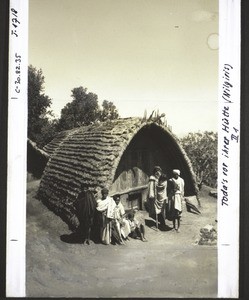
column 137, row 225
column 121, row 226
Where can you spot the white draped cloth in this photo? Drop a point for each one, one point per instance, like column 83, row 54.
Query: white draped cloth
column 178, row 192
column 153, row 181
column 106, row 207
column 121, row 223
column 161, row 198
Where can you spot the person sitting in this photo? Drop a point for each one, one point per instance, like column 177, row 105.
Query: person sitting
column 137, row 227
column 120, row 226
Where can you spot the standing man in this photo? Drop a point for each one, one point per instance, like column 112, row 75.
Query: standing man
column 176, row 195
column 152, row 192
column 161, row 199
column 106, row 206
column 85, row 209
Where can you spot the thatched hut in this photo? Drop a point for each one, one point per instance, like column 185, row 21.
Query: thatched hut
column 118, row 154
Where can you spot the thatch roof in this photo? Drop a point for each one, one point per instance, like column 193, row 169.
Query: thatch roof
column 91, row 155
column 59, row 138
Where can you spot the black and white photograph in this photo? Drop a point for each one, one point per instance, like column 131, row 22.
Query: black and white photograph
column 122, row 183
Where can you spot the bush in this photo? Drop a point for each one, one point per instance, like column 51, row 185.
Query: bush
column 201, row 149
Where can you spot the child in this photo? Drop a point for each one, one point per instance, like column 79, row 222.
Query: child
column 121, row 226
column 137, row 228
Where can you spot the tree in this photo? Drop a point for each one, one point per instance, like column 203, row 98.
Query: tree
column 39, row 116
column 49, row 129
column 109, row 111
column 201, row 149
column 84, row 110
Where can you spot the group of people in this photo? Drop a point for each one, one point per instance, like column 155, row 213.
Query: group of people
column 165, row 197
column 115, row 223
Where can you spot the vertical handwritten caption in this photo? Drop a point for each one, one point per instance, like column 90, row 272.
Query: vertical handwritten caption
column 230, row 133
column 17, row 58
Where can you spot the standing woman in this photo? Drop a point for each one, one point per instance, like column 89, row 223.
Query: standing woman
column 176, row 195
column 106, row 206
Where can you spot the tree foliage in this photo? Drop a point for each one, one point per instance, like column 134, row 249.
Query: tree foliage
column 109, row 111
column 84, row 110
column 40, row 126
column 201, row 149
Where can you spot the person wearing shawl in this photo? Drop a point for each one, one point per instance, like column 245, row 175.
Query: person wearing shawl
column 161, row 199
column 156, row 204
column 85, row 207
column 106, row 206
column 176, row 195
column 153, row 181
column 121, row 226
column 152, row 189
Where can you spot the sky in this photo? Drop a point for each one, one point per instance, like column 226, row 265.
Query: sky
column 139, row 54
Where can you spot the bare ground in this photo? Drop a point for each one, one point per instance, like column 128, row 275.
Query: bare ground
column 169, row 265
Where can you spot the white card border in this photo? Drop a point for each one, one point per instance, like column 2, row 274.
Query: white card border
column 228, row 256
column 16, row 153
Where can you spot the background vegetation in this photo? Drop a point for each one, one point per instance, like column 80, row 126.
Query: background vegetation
column 201, row 148
column 84, row 109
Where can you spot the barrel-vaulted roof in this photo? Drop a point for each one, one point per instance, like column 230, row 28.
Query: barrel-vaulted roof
column 90, row 155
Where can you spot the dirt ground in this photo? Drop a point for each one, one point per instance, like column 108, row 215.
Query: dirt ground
column 169, row 265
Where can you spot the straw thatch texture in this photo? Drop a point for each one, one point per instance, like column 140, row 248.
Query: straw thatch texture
column 51, row 147
column 91, row 156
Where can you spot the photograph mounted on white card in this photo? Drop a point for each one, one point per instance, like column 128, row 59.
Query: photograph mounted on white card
column 125, row 143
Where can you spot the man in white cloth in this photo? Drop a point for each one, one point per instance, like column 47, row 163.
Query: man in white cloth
column 176, row 196
column 121, row 226
column 106, row 206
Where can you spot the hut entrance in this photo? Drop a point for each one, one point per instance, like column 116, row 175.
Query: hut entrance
column 135, row 201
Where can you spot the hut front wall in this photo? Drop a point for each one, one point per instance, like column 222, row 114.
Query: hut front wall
column 150, row 146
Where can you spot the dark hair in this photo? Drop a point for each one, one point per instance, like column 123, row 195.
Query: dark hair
column 157, row 168
column 104, row 190
column 130, row 215
column 116, row 196
column 163, row 177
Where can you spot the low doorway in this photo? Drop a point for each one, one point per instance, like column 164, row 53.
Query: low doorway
column 135, row 201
